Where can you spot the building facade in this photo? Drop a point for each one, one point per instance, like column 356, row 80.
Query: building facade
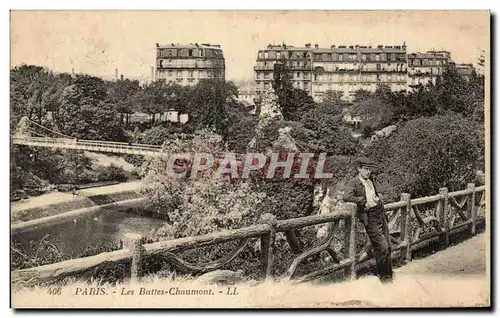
column 343, row 68
column 187, row 64
column 426, row 67
column 350, row 68
column 465, row 70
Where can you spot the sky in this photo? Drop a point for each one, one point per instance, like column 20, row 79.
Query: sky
column 98, row 42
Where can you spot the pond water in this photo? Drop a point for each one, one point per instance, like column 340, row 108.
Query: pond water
column 106, row 226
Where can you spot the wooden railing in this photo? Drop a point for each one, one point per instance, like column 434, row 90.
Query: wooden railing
column 410, row 230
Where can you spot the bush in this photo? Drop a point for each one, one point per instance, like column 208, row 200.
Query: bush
column 111, row 173
column 429, row 153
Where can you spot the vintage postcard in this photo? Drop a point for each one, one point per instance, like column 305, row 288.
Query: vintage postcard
column 250, row 159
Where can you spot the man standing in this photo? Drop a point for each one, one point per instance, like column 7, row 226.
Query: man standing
column 362, row 191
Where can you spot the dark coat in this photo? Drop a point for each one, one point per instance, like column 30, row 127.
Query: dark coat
column 355, row 192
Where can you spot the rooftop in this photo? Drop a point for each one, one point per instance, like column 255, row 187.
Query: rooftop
column 340, row 48
column 188, row 46
column 430, row 55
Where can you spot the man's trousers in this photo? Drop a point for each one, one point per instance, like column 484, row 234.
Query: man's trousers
column 378, row 232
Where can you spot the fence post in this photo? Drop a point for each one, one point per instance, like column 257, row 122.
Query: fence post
column 132, row 242
column 471, row 208
column 443, row 214
column 350, row 240
column 267, row 247
column 406, row 226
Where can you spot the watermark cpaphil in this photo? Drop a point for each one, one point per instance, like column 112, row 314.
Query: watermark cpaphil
column 230, row 165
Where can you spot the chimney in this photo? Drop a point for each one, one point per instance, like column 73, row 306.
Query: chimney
column 73, row 71
column 308, row 45
column 316, row 46
column 116, row 74
column 332, row 47
column 121, row 77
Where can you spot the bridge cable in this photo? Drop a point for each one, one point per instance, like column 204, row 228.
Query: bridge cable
column 67, row 136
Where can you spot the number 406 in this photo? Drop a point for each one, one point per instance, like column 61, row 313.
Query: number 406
column 54, row 291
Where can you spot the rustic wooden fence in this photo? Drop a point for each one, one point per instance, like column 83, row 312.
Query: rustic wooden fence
column 413, row 224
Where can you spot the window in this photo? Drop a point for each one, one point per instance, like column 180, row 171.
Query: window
column 170, row 73
column 278, row 55
column 377, row 57
column 341, row 57
column 202, row 52
column 378, row 66
column 266, row 55
column 364, row 57
column 179, row 73
column 393, row 57
column 190, row 74
column 298, row 74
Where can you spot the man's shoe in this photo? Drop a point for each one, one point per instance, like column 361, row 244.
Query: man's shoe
column 387, row 280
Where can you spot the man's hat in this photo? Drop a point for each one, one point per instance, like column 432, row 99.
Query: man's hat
column 366, row 162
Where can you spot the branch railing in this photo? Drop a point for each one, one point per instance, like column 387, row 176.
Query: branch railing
column 405, row 220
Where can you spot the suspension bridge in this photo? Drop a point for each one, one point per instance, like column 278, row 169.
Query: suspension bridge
column 30, row 133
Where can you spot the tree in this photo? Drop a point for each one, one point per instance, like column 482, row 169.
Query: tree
column 241, row 127
column 34, row 91
column 375, row 109
column 121, row 94
column 450, row 93
column 333, row 98
column 208, row 105
column 325, row 132
column 293, row 102
column 152, row 99
column 429, row 153
column 85, row 111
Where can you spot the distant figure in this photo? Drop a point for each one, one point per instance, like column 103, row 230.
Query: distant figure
column 75, row 193
column 362, row 191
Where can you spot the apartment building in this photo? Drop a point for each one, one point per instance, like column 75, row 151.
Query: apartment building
column 465, row 70
column 187, row 64
column 426, row 67
column 350, row 68
column 298, row 60
column 343, row 68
